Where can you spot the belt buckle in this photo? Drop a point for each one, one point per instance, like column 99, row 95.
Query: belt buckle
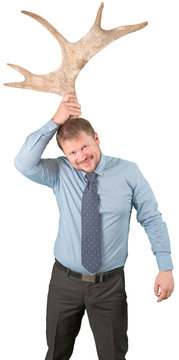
column 92, row 278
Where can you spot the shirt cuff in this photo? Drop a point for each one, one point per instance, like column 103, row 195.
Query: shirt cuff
column 164, row 262
column 49, row 127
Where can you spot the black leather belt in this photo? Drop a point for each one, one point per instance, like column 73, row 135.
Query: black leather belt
column 95, row 278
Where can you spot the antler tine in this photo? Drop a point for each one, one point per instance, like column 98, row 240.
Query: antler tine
column 119, row 31
column 27, row 74
column 60, row 38
column 22, row 70
column 97, row 22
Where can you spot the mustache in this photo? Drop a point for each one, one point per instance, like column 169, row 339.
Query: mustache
column 86, row 159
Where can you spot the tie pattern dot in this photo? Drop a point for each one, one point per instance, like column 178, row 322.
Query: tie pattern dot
column 90, row 226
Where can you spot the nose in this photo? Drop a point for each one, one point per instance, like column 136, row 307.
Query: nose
column 81, row 157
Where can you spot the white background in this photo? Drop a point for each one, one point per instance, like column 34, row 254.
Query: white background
column 129, row 92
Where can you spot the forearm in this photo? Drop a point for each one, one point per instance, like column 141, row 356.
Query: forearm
column 157, row 233
column 28, row 158
column 150, row 218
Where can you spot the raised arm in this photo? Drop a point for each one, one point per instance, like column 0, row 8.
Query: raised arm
column 29, row 162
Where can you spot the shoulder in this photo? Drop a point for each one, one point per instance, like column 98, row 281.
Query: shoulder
column 112, row 162
column 63, row 164
column 122, row 170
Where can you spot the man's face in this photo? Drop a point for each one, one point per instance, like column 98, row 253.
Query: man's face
column 83, row 152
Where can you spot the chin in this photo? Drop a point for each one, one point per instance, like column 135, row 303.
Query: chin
column 89, row 168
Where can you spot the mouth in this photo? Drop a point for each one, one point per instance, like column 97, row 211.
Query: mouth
column 87, row 162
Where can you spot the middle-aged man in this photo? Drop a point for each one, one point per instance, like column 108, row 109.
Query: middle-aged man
column 95, row 194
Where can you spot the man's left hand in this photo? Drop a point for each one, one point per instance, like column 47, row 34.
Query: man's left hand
column 165, row 282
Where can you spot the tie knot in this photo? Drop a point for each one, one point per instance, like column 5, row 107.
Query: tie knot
column 90, row 176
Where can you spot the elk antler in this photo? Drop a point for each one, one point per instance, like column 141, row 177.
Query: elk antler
column 74, row 56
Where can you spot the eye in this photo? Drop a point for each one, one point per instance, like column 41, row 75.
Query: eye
column 85, row 146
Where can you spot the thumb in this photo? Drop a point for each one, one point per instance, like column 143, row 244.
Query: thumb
column 67, row 97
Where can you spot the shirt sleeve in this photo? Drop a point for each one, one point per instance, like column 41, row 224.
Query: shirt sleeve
column 29, row 162
column 150, row 218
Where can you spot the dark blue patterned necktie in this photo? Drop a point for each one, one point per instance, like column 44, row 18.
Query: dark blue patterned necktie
column 90, row 226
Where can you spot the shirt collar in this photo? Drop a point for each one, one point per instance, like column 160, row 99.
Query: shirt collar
column 99, row 169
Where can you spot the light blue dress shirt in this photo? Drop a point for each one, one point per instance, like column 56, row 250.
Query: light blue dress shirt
column 120, row 185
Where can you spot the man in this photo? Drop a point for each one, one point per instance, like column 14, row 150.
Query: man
column 95, row 195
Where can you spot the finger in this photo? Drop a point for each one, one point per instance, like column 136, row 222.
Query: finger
column 156, row 289
column 75, row 112
column 72, row 104
column 67, row 97
column 168, row 294
column 73, row 109
column 162, row 296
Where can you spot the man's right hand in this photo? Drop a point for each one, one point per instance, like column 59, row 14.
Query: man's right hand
column 66, row 109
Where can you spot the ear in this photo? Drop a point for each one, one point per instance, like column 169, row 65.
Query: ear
column 97, row 138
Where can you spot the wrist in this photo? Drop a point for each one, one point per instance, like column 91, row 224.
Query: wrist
column 56, row 121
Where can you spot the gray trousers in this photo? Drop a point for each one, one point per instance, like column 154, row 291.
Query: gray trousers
column 106, row 306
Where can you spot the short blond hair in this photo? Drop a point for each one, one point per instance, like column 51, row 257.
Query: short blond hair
column 71, row 129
